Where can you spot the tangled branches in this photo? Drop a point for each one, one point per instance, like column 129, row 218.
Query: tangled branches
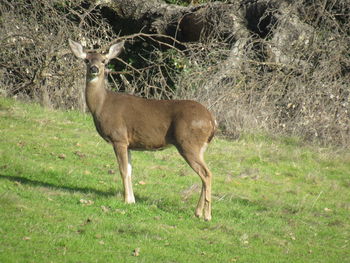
column 282, row 69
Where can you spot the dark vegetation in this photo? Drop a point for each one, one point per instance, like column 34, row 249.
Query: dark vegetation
column 280, row 67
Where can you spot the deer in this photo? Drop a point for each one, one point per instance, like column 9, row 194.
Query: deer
column 130, row 122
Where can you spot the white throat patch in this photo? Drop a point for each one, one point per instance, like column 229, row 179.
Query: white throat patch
column 93, row 79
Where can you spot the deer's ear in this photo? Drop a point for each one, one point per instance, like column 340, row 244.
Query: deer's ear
column 115, row 50
column 77, row 49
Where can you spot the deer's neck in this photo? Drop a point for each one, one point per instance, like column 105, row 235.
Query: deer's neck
column 95, row 94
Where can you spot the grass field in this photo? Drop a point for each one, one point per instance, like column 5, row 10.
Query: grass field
column 274, row 199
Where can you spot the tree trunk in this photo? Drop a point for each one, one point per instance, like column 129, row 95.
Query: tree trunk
column 186, row 24
column 265, row 32
column 233, row 23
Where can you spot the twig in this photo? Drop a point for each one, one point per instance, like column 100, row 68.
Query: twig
column 153, row 36
column 316, row 199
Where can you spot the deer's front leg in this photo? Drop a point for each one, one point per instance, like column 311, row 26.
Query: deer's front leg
column 124, row 161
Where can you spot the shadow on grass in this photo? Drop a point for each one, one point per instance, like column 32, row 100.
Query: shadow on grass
column 72, row 189
column 31, row 182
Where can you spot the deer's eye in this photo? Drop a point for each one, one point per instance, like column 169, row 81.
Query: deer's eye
column 104, row 61
column 86, row 60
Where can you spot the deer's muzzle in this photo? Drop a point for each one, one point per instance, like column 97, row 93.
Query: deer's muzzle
column 94, row 70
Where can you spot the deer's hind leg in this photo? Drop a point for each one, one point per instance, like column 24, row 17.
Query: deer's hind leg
column 194, row 157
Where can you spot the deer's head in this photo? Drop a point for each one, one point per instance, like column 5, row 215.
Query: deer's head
column 95, row 62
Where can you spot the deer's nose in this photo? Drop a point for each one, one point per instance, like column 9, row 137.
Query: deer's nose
column 94, row 69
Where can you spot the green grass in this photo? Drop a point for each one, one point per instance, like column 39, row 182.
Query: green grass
column 274, row 199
